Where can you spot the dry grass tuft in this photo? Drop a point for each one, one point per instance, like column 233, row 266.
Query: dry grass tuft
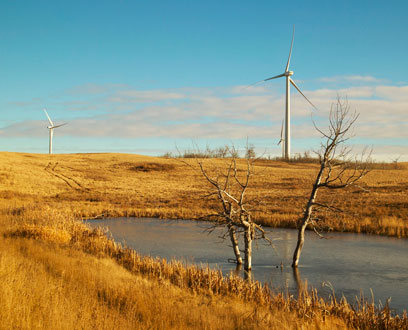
column 148, row 167
column 45, row 233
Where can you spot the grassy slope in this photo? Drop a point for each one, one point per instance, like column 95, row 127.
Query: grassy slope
column 60, row 288
column 132, row 185
column 69, row 277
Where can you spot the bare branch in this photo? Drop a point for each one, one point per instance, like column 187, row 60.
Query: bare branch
column 337, row 169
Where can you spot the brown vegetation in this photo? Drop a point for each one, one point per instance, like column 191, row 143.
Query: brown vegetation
column 62, row 275
column 88, row 185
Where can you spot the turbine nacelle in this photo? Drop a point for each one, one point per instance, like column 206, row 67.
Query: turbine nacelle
column 288, row 73
column 55, row 126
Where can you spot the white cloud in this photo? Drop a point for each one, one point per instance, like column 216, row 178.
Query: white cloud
column 393, row 92
column 94, row 89
column 29, row 103
column 351, row 78
column 126, row 96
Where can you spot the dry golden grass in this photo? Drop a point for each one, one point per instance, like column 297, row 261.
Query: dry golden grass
column 70, row 277
column 59, row 274
column 63, row 275
column 53, row 288
column 132, row 185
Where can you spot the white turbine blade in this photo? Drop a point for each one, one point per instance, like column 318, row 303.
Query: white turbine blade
column 59, row 125
column 49, row 119
column 282, row 131
column 278, row 76
column 290, row 52
column 253, row 84
column 294, row 85
column 263, row 80
column 281, row 135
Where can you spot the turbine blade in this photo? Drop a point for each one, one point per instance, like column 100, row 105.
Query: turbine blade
column 290, row 52
column 263, row 80
column 282, row 129
column 49, row 119
column 59, row 125
column 298, row 89
column 281, row 135
column 253, row 84
column 278, row 76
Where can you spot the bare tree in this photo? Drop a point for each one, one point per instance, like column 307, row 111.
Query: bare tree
column 229, row 185
column 338, row 169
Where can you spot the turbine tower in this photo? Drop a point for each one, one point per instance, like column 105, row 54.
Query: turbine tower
column 51, row 128
column 289, row 81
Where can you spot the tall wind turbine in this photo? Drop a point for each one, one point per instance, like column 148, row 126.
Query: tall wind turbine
column 289, row 81
column 51, row 128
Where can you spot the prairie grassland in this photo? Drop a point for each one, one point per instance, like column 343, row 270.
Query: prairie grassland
column 88, row 185
column 63, row 275
column 53, row 288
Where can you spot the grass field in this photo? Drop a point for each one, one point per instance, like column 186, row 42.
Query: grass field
column 62, row 275
column 59, row 274
column 130, row 185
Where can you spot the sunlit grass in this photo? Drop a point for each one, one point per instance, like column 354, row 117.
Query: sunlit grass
column 63, row 275
column 59, row 274
column 113, row 185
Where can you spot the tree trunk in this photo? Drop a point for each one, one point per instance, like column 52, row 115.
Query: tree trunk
column 300, row 243
column 234, row 242
column 248, row 247
column 307, row 215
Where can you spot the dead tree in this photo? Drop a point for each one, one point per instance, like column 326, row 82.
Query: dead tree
column 229, row 186
column 338, row 169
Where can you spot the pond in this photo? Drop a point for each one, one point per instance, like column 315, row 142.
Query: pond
column 351, row 264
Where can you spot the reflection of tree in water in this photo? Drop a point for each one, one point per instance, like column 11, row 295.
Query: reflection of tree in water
column 237, row 270
column 301, row 286
column 247, row 274
column 298, row 280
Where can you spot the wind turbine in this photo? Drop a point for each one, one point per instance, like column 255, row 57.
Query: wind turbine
column 289, row 81
column 282, row 141
column 51, row 128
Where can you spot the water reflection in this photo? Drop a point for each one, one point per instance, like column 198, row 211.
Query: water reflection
column 298, row 280
column 238, row 270
column 351, row 263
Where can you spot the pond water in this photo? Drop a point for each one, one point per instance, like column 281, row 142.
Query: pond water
column 349, row 263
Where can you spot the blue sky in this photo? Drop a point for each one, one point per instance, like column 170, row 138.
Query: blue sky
column 147, row 76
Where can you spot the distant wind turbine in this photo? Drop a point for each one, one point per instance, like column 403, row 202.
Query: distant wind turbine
column 51, row 128
column 282, row 141
column 287, row 74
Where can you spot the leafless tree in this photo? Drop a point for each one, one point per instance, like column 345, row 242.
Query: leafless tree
column 229, row 184
column 395, row 161
column 338, row 168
